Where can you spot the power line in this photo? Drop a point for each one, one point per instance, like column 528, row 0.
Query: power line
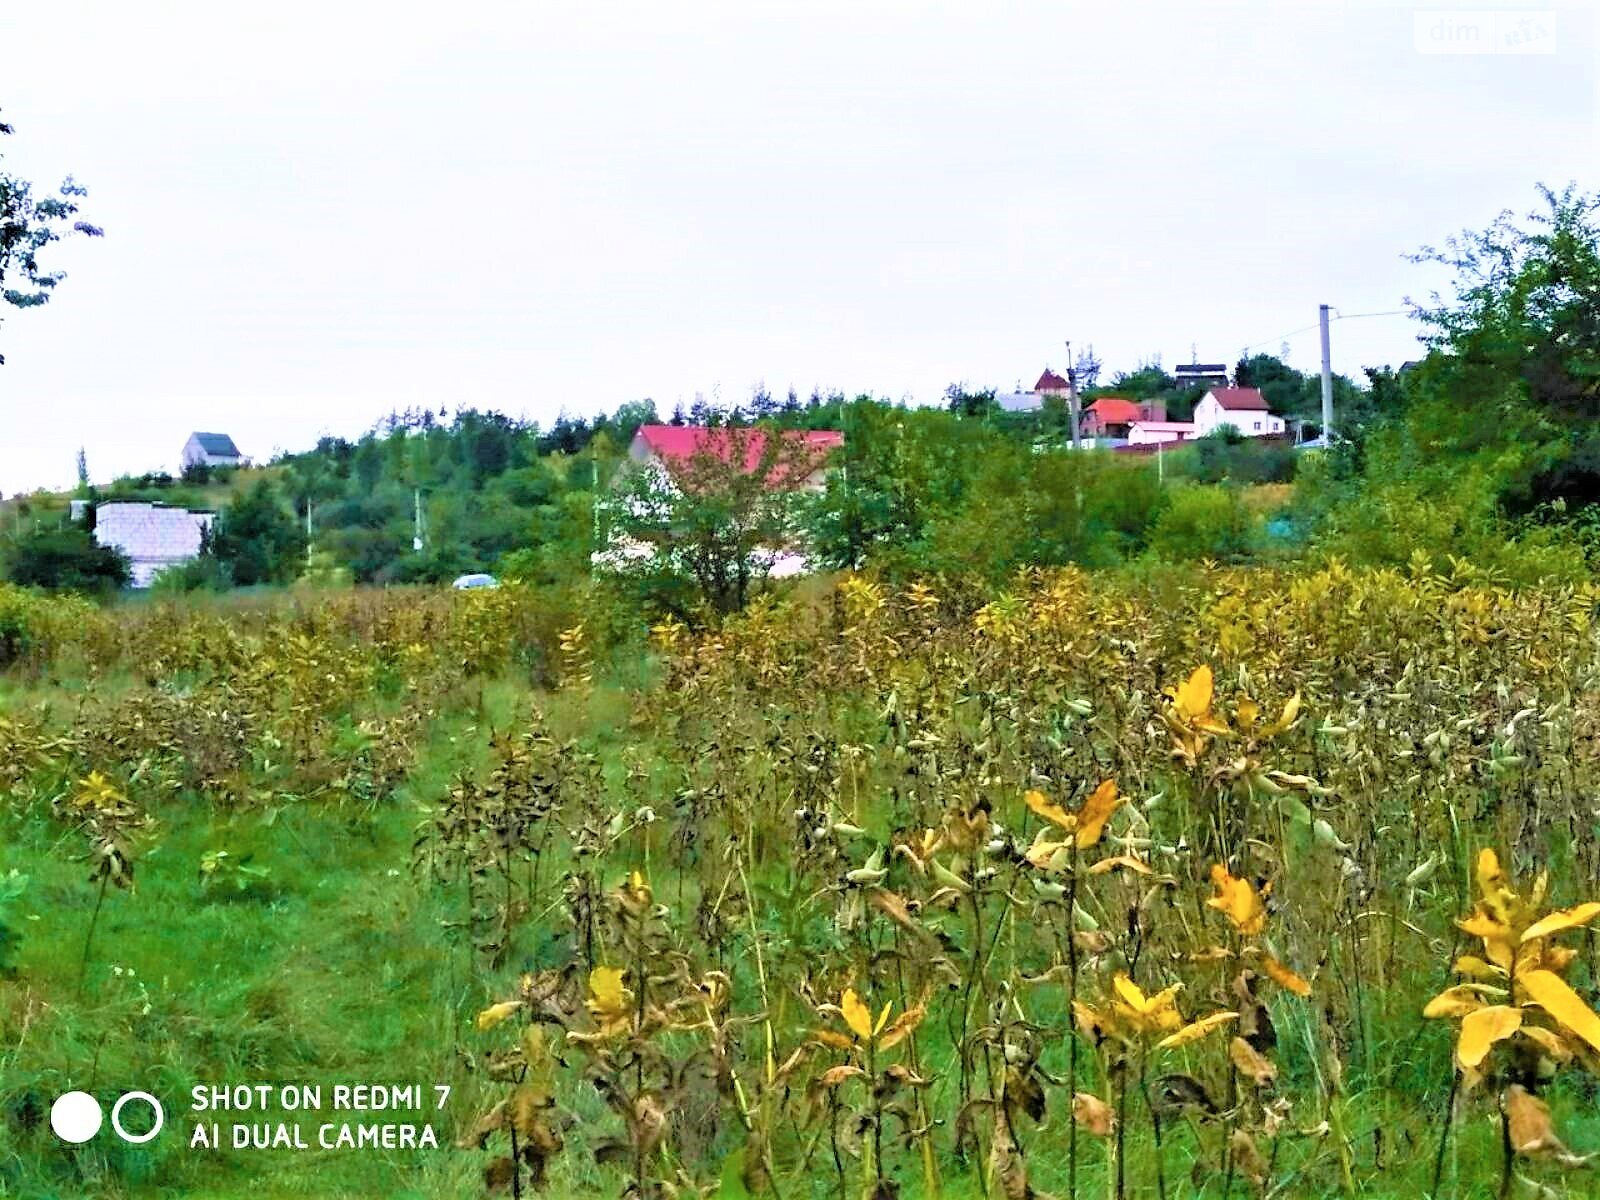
column 1339, row 316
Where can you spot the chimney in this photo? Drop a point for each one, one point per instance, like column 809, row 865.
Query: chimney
column 1154, row 410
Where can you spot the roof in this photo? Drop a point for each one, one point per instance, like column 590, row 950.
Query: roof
column 681, row 443
column 1018, row 401
column 219, row 444
column 1200, row 369
column 1050, row 380
column 1240, row 399
column 1166, row 426
column 1115, row 410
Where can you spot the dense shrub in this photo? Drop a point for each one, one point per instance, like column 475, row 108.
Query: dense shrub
column 1204, row 521
column 65, row 559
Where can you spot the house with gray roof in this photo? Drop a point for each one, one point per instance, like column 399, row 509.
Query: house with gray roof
column 212, row 450
column 153, row 536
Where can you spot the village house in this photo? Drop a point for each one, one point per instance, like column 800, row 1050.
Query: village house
column 675, row 453
column 674, row 447
column 1151, row 433
column 153, row 536
column 1243, row 408
column 211, row 450
column 1049, row 385
column 1113, row 417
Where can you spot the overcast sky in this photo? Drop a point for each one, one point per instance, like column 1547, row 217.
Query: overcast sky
column 316, row 213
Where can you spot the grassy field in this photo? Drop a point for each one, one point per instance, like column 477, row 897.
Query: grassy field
column 801, row 906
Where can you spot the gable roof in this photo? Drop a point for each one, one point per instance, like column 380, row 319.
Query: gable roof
column 1050, row 380
column 1240, row 399
column 679, row 444
column 1115, row 410
column 219, row 444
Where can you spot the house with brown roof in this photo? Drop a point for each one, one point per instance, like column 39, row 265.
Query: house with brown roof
column 1243, row 408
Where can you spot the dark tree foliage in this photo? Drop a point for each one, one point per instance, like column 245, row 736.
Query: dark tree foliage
column 28, row 224
column 257, row 539
column 65, row 559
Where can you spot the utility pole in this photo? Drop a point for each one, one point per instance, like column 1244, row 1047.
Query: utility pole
column 416, row 519
column 1072, row 397
column 1327, row 381
column 308, row 527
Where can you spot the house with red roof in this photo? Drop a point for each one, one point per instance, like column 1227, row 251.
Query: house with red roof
column 1243, row 408
column 1113, row 417
column 799, row 463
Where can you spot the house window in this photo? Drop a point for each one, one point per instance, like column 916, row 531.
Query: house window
column 1257, row 425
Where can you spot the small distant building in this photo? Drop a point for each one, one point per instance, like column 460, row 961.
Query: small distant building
column 1050, row 385
column 212, row 450
column 153, row 536
column 1151, row 433
column 1113, row 417
column 1207, row 375
column 1243, row 408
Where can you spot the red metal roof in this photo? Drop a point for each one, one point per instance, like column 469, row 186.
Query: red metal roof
column 1115, row 410
column 1050, row 381
column 681, row 443
column 1241, row 399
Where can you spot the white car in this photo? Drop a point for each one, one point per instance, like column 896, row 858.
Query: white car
column 465, row 582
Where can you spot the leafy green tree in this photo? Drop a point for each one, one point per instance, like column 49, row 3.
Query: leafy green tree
column 65, row 559
column 28, row 224
column 1525, row 306
column 257, row 538
column 704, row 530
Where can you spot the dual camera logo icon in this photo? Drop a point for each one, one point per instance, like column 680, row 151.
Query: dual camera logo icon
column 76, row 1117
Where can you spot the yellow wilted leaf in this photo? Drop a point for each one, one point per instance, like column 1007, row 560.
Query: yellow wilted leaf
column 1147, row 1014
column 1093, row 1114
column 1291, row 712
column 834, row 1076
column 883, row 1019
column 829, row 1038
column 1555, row 922
column 1284, row 977
column 1247, row 712
column 1049, row 809
column 1237, row 899
column 1251, row 1063
column 856, row 1014
column 1196, row 1030
column 1096, row 811
column 1553, row 995
column 1460, row 1000
column 901, row 1026
column 1192, row 698
column 1126, row 861
column 1474, row 967
column 608, row 999
column 1482, row 1028
column 1548, row 1041
column 1531, row 1131
column 495, row 1013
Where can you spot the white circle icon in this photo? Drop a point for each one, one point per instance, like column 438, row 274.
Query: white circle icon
column 116, row 1117
column 75, row 1116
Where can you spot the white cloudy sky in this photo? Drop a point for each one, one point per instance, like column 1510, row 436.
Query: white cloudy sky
column 317, row 212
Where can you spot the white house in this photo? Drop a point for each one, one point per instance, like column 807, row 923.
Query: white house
column 1149, row 433
column 1243, row 408
column 153, row 536
column 211, row 450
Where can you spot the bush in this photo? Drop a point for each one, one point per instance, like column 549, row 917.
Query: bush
column 66, row 559
column 1204, row 521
